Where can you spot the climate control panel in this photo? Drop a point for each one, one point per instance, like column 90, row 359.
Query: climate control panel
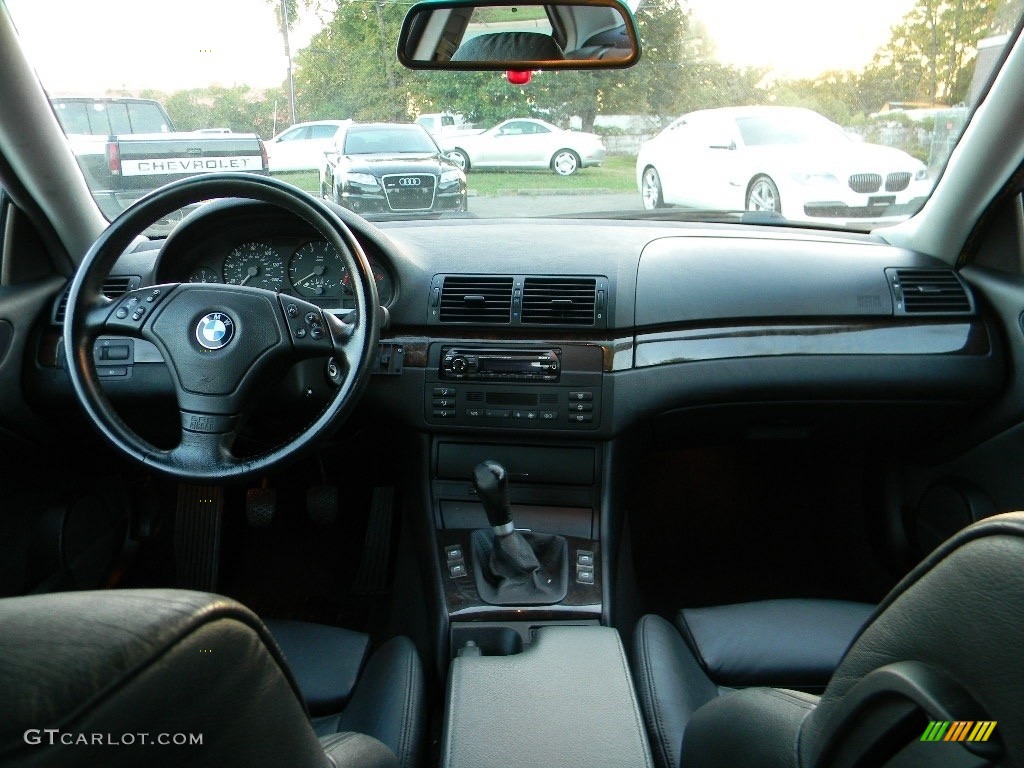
column 515, row 387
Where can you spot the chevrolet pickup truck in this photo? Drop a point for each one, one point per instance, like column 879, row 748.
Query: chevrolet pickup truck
column 127, row 147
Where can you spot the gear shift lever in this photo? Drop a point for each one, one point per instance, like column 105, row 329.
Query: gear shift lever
column 513, row 567
column 491, row 483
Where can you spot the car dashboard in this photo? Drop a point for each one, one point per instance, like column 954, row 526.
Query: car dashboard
column 653, row 324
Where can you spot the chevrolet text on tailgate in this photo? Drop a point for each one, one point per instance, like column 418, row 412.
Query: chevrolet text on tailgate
column 128, row 147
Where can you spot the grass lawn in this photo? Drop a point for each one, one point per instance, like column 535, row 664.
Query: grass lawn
column 614, row 175
column 307, row 180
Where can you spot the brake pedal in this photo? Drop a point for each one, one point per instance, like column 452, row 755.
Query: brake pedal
column 322, row 504
column 260, row 505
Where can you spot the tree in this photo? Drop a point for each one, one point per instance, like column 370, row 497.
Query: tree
column 929, row 55
column 335, row 78
column 238, row 108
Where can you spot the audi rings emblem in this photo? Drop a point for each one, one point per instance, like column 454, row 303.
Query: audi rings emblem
column 215, row 330
column 409, row 181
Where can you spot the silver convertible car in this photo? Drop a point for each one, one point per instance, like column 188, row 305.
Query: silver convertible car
column 524, row 143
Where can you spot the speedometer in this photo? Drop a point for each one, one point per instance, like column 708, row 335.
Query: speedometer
column 316, row 270
column 256, row 265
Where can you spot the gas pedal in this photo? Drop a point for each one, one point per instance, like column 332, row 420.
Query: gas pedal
column 372, row 577
column 197, row 531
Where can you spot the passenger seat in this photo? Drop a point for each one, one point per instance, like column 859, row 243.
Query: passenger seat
column 793, row 643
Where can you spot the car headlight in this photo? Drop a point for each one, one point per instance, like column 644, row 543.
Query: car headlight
column 364, row 179
column 452, row 175
column 815, row 178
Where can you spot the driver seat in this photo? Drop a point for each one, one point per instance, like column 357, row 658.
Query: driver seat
column 123, row 677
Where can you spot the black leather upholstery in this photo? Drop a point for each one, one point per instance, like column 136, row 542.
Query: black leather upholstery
column 388, row 702
column 755, row 728
column 103, row 666
column 785, row 643
column 945, row 644
column 509, row 46
column 326, row 661
column 671, row 686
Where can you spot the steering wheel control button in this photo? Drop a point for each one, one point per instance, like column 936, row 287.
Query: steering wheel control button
column 214, row 331
column 292, row 311
column 122, row 313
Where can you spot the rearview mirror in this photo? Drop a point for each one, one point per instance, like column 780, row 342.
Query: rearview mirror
column 508, row 35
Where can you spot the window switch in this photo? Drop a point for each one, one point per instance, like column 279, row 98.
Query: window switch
column 457, row 570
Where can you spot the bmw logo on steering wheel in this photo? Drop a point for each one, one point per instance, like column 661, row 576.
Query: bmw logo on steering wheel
column 215, row 330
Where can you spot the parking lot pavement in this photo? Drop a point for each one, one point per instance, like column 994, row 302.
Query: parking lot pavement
column 549, row 205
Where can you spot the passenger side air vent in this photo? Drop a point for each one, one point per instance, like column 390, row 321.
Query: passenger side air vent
column 113, row 286
column 559, row 300
column 928, row 292
column 479, row 299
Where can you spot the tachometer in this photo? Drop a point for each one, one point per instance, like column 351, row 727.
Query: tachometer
column 316, row 270
column 256, row 265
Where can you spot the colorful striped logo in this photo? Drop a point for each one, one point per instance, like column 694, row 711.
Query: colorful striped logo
column 958, row 730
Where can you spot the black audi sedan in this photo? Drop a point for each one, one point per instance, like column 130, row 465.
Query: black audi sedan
column 384, row 168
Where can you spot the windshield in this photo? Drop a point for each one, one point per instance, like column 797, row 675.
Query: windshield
column 396, row 140
column 817, row 114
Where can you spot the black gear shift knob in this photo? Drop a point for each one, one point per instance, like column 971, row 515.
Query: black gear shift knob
column 491, row 483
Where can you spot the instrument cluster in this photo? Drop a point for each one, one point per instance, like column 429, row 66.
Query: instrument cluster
column 312, row 269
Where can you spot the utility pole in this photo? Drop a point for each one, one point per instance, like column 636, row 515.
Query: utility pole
column 288, row 55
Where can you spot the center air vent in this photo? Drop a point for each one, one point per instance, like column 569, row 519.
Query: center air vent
column 558, row 300
column 928, row 291
column 113, row 286
column 478, row 299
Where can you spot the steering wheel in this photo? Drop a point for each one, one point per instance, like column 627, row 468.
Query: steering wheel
column 220, row 342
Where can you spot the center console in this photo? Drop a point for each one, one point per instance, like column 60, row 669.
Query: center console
column 536, row 677
column 565, row 700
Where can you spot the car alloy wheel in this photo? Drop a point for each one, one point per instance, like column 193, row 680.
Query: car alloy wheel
column 650, row 187
column 460, row 158
column 763, row 195
column 565, row 162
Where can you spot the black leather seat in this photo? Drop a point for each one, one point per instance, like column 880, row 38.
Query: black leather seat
column 944, row 646
column 343, row 691
column 100, row 678
column 793, row 643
